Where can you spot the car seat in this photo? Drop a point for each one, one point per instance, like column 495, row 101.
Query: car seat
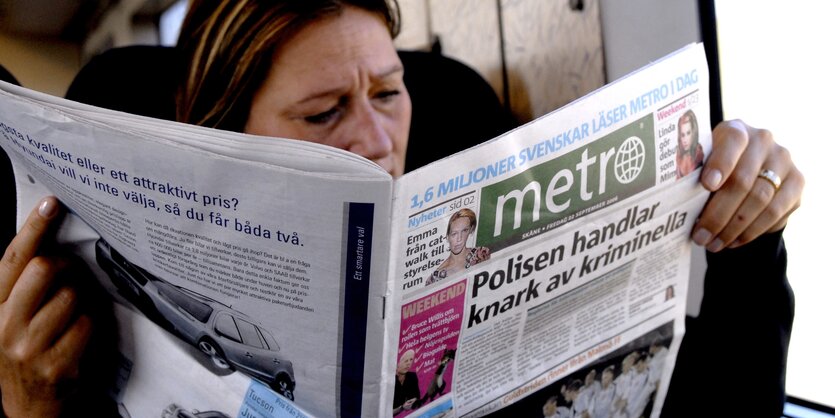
column 7, row 210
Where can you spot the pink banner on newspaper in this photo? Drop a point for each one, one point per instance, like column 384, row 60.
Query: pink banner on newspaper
column 429, row 330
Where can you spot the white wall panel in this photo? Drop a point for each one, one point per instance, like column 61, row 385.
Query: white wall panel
column 469, row 32
column 554, row 54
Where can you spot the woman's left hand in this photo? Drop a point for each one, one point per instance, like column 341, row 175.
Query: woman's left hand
column 43, row 331
column 744, row 204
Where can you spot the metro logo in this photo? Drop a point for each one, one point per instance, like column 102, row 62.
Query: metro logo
column 612, row 168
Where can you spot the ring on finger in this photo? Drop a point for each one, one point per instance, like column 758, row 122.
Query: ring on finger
column 771, row 177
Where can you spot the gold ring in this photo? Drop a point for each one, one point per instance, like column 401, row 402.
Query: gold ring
column 771, row 177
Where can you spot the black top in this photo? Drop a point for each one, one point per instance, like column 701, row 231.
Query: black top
column 407, row 390
column 734, row 353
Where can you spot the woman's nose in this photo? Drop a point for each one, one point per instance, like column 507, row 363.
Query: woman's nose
column 368, row 136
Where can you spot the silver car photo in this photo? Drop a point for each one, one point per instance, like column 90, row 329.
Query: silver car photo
column 230, row 338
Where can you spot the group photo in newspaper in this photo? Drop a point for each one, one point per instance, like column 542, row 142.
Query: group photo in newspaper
column 542, row 273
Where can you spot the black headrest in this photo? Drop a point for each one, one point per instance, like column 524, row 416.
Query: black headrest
column 7, row 210
column 453, row 107
column 136, row 79
column 6, row 76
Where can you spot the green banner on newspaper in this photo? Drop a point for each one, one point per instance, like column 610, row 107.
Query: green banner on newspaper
column 548, row 195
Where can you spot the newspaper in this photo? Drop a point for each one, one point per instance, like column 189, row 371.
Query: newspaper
column 543, row 272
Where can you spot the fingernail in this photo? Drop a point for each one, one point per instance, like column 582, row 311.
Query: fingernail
column 48, row 208
column 701, row 236
column 712, row 179
column 715, row 246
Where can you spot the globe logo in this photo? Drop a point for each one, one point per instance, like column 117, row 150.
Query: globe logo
column 629, row 160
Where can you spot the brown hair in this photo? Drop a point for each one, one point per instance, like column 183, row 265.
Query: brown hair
column 229, row 45
column 463, row 213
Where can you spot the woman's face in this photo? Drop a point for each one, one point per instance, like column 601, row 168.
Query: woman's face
column 338, row 82
column 459, row 231
column 405, row 362
column 685, row 133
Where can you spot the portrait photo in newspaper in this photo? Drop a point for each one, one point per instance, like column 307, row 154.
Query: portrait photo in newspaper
column 689, row 153
column 462, row 225
column 428, row 342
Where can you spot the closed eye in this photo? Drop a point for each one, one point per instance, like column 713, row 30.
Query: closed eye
column 322, row 118
column 387, row 95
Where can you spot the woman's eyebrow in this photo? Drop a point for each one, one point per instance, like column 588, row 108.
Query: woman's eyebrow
column 388, row 72
column 321, row 95
column 381, row 75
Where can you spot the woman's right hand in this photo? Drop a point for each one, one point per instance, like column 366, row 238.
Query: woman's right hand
column 42, row 333
column 743, row 205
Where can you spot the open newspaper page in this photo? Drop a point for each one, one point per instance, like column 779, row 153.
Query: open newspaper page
column 545, row 272
column 240, row 264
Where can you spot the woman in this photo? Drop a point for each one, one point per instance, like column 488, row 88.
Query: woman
column 327, row 71
column 689, row 154
column 406, row 385
column 461, row 225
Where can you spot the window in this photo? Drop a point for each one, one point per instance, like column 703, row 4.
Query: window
column 270, row 340
column 776, row 72
column 250, row 334
column 170, row 22
column 225, row 326
column 177, row 296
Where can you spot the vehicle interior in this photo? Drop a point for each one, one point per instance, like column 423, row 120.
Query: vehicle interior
column 119, row 54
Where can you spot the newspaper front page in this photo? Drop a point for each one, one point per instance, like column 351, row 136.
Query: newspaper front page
column 545, row 273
